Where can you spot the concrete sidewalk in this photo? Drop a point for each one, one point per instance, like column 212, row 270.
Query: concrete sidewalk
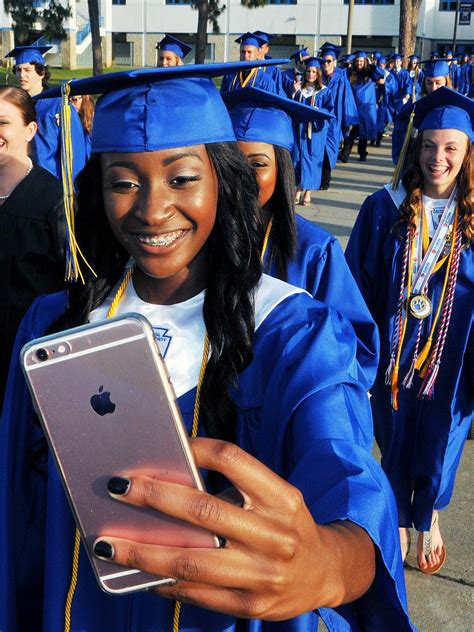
column 444, row 602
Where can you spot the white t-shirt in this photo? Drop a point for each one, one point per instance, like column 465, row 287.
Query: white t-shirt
column 179, row 328
column 433, row 211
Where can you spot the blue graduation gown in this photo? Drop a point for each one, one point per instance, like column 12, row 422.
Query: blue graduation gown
column 421, row 443
column 345, row 112
column 384, row 94
column 366, row 102
column 262, row 80
column 308, row 155
column 47, row 142
column 301, row 411
column 319, row 267
column 288, row 77
column 403, row 88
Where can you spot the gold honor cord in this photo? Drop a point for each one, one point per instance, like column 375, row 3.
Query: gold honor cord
column 194, row 430
column 73, row 252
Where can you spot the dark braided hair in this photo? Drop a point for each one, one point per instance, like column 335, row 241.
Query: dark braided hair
column 280, row 207
column 234, row 271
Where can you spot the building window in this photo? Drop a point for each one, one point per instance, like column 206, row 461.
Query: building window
column 119, row 2
column 449, row 5
column 280, row 1
column 373, row 1
column 178, row 1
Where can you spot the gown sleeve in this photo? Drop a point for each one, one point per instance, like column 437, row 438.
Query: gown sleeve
column 23, row 458
column 316, row 431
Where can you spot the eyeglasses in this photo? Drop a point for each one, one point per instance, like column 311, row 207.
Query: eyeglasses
column 327, row 61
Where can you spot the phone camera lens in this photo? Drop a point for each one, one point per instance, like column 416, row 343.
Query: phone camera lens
column 42, row 355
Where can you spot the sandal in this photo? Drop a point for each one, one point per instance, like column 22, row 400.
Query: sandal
column 297, row 197
column 307, row 198
column 427, row 549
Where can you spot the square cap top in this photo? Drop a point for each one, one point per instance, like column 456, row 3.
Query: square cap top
column 149, row 109
column 377, row 73
column 261, row 116
column 360, row 54
column 174, row 45
column 251, row 39
column 436, row 67
column 445, row 109
column 29, row 54
column 333, row 51
column 300, row 54
column 312, row 61
column 414, row 58
column 265, row 36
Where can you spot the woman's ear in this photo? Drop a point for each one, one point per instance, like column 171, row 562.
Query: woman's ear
column 31, row 129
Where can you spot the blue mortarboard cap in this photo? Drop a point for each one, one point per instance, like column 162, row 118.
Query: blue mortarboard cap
column 360, row 53
column 377, row 55
column 434, row 54
column 382, row 60
column 445, row 109
column 299, row 54
column 29, row 54
column 414, row 58
column 149, row 109
column 435, row 67
column 263, row 117
column 174, row 45
column 348, row 57
column 448, row 52
column 396, row 56
column 250, row 39
column 330, row 49
column 265, row 36
column 312, row 61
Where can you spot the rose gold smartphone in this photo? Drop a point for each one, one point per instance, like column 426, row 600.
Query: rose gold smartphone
column 107, row 407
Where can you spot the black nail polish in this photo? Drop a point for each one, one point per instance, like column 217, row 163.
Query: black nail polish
column 104, row 549
column 118, row 485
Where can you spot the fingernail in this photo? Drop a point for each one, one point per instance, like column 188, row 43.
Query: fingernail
column 104, row 549
column 118, row 486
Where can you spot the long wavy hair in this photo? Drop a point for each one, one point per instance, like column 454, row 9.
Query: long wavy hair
column 234, row 271
column 318, row 84
column 413, row 183
column 360, row 76
column 281, row 208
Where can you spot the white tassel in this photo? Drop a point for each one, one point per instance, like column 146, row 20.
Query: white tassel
column 389, row 371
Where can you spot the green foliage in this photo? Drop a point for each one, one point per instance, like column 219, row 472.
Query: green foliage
column 253, row 4
column 213, row 12
column 24, row 17
column 54, row 16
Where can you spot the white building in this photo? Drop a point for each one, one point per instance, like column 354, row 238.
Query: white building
column 131, row 28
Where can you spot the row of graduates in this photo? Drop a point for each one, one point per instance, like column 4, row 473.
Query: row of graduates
column 311, row 260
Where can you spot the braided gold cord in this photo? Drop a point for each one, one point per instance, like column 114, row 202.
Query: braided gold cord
column 72, row 586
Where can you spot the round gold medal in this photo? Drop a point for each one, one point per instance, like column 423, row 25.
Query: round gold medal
column 420, row 306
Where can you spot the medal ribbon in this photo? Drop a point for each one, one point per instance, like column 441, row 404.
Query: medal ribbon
column 423, row 273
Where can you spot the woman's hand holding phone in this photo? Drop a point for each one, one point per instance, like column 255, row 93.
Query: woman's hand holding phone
column 276, row 563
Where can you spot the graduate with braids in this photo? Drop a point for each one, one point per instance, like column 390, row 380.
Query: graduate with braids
column 169, row 220
column 412, row 254
column 298, row 251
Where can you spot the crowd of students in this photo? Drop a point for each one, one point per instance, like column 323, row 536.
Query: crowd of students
column 186, row 214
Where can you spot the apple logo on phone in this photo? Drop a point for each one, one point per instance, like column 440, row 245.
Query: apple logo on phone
column 101, row 403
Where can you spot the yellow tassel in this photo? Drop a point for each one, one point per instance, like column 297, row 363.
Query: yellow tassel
column 73, row 252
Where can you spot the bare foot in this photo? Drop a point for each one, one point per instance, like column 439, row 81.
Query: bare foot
column 405, row 541
column 430, row 548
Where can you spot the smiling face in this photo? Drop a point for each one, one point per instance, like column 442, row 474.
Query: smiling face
column 29, row 79
column 14, row 133
column 311, row 74
column 161, row 207
column 261, row 156
column 359, row 63
column 441, row 157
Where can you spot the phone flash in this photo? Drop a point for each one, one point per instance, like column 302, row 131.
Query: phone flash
column 61, row 348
